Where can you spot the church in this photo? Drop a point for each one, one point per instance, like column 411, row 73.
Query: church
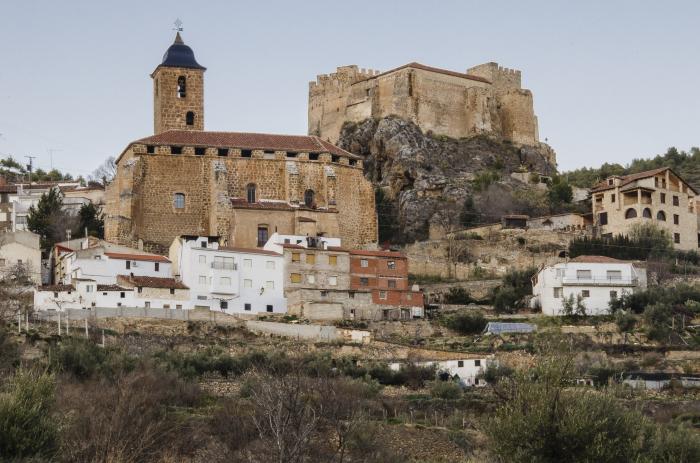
column 243, row 187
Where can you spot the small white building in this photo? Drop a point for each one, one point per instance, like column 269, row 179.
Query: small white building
column 20, row 248
column 56, row 297
column 466, row 371
column 103, row 265
column 593, row 279
column 229, row 279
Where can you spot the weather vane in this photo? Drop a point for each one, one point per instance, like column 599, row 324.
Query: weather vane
column 178, row 25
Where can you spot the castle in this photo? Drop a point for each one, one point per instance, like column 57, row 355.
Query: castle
column 487, row 99
column 242, row 187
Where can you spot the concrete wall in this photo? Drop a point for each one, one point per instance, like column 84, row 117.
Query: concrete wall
column 308, row 332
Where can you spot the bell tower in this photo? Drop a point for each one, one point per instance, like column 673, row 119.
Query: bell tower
column 178, row 90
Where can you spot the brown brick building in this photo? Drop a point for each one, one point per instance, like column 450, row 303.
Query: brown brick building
column 385, row 273
column 242, row 187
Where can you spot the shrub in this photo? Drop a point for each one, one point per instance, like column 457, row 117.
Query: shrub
column 84, row 359
column 506, row 299
column 27, row 428
column 447, row 390
column 457, row 295
column 657, row 319
column 9, row 354
column 625, row 321
column 467, row 323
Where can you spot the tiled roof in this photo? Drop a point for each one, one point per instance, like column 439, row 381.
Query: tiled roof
column 423, row 67
column 627, row 179
column 151, row 282
column 249, row 251
column 144, row 257
column 57, row 288
column 378, row 253
column 597, row 260
column 291, row 246
column 112, row 288
column 242, row 140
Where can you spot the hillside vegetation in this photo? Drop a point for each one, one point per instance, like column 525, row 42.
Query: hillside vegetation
column 685, row 163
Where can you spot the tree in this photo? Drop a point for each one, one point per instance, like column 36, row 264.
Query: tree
column 559, row 193
column 92, row 219
column 47, row 220
column 574, row 307
column 106, row 172
column 469, row 215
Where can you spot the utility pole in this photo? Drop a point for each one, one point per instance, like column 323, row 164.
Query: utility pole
column 30, row 166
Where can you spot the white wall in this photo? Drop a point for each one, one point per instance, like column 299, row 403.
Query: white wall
column 104, row 270
column 14, row 252
column 274, row 243
column 234, row 277
column 466, row 369
column 50, row 300
column 599, row 285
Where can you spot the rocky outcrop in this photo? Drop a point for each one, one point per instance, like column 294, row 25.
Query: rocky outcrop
column 425, row 179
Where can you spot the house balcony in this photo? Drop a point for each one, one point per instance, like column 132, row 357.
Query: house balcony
column 217, row 287
column 599, row 281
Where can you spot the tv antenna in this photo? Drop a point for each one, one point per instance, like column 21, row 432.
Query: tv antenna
column 178, row 25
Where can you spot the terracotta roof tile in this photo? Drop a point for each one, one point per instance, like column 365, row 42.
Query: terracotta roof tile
column 112, row 288
column 151, row 282
column 242, row 140
column 143, row 257
column 423, row 67
column 378, row 253
column 57, row 288
column 597, row 260
column 627, row 179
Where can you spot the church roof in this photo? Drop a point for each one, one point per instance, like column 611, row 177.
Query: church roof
column 243, row 140
column 179, row 55
column 423, row 67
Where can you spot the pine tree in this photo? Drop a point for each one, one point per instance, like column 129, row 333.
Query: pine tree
column 92, row 219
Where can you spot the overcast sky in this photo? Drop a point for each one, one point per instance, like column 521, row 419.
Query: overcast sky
column 612, row 80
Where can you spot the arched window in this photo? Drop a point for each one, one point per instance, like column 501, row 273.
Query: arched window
column 309, row 198
column 179, row 201
column 251, row 193
column 631, row 213
column 181, row 87
column 661, row 215
column 646, row 213
column 189, row 118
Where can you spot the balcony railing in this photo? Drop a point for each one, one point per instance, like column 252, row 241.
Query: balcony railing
column 600, row 281
column 224, row 266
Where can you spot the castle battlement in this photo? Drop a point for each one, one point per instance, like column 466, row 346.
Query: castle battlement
column 487, row 99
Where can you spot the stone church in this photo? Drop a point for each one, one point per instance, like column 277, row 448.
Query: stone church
column 243, row 187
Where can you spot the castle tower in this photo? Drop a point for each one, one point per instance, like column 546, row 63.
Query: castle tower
column 178, row 90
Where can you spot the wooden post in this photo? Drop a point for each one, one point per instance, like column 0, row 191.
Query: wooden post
column 19, row 322
column 103, row 337
column 86, row 329
column 59, row 322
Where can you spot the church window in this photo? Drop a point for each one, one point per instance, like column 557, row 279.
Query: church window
column 246, row 153
column 179, row 201
column 189, row 118
column 309, row 198
column 199, row 151
column 150, row 149
column 251, row 192
column 262, row 235
column 223, row 152
column 176, row 149
column 181, row 87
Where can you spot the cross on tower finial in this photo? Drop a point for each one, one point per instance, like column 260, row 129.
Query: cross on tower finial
column 178, row 25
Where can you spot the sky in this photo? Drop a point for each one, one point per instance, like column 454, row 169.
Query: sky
column 612, row 80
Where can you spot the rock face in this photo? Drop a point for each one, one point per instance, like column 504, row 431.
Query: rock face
column 425, row 179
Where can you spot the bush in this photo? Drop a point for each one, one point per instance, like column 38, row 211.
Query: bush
column 467, row 323
column 447, row 390
column 657, row 319
column 457, row 295
column 84, row 359
column 625, row 321
column 27, row 427
column 506, row 299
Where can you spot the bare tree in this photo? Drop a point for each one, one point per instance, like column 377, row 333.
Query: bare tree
column 285, row 412
column 106, row 172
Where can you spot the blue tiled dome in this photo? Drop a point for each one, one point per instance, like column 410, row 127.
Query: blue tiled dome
column 180, row 55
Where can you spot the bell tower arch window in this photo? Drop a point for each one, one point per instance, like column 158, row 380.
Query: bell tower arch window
column 181, row 87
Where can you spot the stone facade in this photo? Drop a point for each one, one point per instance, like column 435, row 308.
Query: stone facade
column 657, row 196
column 186, row 181
column 487, row 99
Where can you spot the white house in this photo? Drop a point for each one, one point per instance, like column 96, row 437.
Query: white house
column 104, row 265
column 595, row 279
column 466, row 371
column 56, row 297
column 20, row 248
column 233, row 280
column 276, row 242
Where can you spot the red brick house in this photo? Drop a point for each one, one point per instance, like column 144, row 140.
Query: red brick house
column 385, row 273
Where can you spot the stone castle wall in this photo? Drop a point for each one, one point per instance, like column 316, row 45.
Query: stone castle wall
column 491, row 101
column 141, row 210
